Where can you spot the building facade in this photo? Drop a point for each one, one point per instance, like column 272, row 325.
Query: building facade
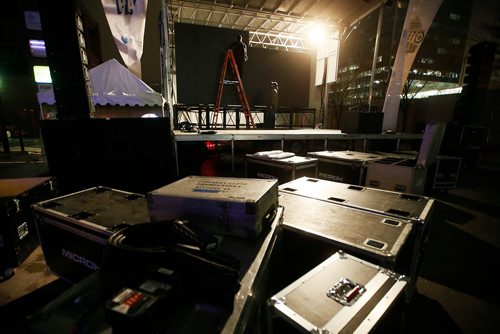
column 437, row 66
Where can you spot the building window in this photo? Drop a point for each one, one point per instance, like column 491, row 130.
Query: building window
column 455, row 41
column 42, row 74
column 433, row 73
column 427, row 60
column 32, row 20
column 441, row 51
column 37, row 48
column 454, row 17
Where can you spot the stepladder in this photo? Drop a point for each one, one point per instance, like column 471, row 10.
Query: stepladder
column 230, row 61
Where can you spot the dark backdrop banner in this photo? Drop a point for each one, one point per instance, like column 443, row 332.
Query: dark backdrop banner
column 199, row 57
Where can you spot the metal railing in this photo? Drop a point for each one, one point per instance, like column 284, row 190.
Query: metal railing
column 233, row 116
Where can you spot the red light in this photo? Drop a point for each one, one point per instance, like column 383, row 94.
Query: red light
column 210, row 145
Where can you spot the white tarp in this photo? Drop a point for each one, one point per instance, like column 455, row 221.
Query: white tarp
column 114, row 84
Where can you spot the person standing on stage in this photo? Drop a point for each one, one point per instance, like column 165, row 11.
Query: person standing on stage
column 272, row 106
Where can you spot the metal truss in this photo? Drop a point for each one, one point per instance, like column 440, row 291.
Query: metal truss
column 266, row 30
column 279, row 42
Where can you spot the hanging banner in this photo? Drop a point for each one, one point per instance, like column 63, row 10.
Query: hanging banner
column 127, row 21
column 333, row 59
column 327, row 55
column 418, row 19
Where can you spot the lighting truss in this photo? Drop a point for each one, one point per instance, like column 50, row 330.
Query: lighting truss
column 278, row 41
column 266, row 30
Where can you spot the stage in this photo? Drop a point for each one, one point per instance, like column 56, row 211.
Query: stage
column 281, row 135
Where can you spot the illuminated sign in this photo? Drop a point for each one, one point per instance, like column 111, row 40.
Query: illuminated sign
column 42, row 74
column 37, row 48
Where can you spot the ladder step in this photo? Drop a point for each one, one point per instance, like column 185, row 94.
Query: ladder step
column 231, row 82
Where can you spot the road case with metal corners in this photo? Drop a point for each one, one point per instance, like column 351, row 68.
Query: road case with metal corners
column 284, row 170
column 221, row 205
column 344, row 166
column 416, row 208
column 74, row 228
column 343, row 294
column 18, row 237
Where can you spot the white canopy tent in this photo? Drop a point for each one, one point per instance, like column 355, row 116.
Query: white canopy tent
column 115, row 86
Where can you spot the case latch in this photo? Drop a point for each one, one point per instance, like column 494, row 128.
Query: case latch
column 345, row 291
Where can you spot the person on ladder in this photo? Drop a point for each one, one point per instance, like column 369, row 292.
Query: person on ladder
column 236, row 56
column 240, row 53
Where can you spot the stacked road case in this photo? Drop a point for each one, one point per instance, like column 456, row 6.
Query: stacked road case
column 417, row 209
column 74, row 228
column 18, row 237
column 343, row 294
column 445, row 174
column 397, row 174
column 222, row 205
column 314, row 229
column 337, row 256
column 285, row 170
column 344, row 166
column 407, row 174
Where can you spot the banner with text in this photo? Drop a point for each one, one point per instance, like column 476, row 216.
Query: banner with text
column 127, row 21
column 418, row 19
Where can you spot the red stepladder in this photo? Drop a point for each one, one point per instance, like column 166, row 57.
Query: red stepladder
column 229, row 60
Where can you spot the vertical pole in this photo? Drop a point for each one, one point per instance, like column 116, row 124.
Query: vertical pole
column 176, row 154
column 200, row 115
column 207, row 117
column 224, row 117
column 237, row 116
column 375, row 56
column 3, row 130
column 232, row 155
column 166, row 64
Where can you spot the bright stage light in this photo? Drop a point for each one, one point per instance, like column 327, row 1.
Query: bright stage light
column 316, row 34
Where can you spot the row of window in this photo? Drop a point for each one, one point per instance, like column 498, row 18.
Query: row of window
column 422, row 72
column 37, row 50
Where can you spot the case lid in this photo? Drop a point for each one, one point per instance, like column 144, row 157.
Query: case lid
column 431, row 143
column 380, row 237
column 293, row 160
column 392, row 203
column 229, row 189
column 15, row 187
column 347, row 155
column 275, row 154
column 102, row 207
